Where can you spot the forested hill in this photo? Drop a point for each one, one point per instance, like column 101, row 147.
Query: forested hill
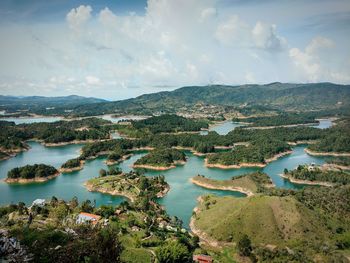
column 284, row 96
column 280, row 96
column 40, row 104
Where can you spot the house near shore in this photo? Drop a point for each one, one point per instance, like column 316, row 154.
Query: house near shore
column 202, row 258
column 38, row 202
column 87, row 218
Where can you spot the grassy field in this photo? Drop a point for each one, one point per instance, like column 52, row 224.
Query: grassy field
column 280, row 221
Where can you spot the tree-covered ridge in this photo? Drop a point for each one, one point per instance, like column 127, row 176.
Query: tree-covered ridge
column 32, row 171
column 169, row 123
column 335, row 139
column 280, row 120
column 280, row 96
column 258, row 151
column 162, row 158
column 314, row 173
column 13, row 137
column 72, row 163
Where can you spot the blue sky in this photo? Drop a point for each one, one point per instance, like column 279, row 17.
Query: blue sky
column 119, row 49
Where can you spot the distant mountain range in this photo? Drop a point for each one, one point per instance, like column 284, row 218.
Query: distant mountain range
column 40, row 104
column 281, row 96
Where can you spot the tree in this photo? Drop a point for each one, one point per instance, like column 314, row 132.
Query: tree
column 244, row 246
column 86, row 206
column 103, row 173
column 74, row 202
column 173, row 252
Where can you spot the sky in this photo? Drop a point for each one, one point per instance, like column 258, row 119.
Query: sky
column 117, row 49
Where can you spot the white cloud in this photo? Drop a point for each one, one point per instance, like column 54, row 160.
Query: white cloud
column 77, row 17
column 238, row 33
column 265, row 37
column 92, row 80
column 233, row 32
column 315, row 62
column 174, row 43
column 208, row 13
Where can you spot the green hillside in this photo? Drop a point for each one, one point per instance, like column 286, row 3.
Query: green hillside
column 286, row 96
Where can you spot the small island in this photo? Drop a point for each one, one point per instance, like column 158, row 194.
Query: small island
column 130, row 185
column 32, row 173
column 72, row 165
column 314, row 175
column 248, row 184
column 117, row 155
column 161, row 159
column 258, row 154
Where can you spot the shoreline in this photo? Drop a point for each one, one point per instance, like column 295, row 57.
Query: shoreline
column 203, row 236
column 307, row 182
column 113, row 162
column 333, row 166
column 310, row 152
column 224, row 188
column 71, row 142
column 281, row 126
column 33, row 180
column 158, row 168
column 91, row 188
column 241, row 165
column 302, row 142
column 73, row 169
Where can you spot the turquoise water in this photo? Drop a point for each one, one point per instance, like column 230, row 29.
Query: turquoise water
column 32, row 120
column 180, row 200
column 65, row 186
column 222, row 128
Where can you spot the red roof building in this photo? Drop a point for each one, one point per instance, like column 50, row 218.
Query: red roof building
column 202, row 258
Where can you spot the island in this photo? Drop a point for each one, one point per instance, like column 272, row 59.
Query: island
column 257, row 154
column 131, row 185
column 161, row 159
column 32, row 173
column 280, row 120
column 72, row 165
column 315, row 175
column 248, row 184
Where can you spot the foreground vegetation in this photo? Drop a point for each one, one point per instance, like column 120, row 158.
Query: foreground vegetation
column 126, row 233
column 278, row 226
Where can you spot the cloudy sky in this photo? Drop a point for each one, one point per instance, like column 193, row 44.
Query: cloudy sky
column 117, row 49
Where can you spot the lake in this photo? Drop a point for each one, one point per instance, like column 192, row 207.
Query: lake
column 180, row 200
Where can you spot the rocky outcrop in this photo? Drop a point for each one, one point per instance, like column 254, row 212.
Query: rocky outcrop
column 11, row 250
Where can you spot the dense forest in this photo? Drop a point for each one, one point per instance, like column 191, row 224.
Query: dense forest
column 72, row 163
column 13, row 137
column 304, row 172
column 169, row 123
column 280, row 120
column 162, row 158
column 257, row 152
column 32, row 171
column 335, row 139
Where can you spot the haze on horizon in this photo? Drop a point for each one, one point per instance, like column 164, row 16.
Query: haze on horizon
column 116, row 49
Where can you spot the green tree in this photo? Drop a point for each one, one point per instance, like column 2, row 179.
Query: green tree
column 173, row 252
column 244, row 246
